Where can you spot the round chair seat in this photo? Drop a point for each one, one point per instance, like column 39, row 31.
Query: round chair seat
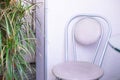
column 77, row 71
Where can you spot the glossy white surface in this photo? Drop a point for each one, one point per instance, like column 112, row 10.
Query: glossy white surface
column 77, row 71
column 87, row 31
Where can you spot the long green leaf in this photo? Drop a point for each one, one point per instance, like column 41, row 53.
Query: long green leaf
column 7, row 26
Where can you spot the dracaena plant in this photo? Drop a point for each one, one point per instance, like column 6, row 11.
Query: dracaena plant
column 17, row 38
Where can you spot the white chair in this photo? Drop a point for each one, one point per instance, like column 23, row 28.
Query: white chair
column 86, row 30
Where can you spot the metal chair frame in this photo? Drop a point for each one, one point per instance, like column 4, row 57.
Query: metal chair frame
column 108, row 34
column 99, row 42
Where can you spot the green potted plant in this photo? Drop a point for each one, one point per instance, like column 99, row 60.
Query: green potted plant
column 17, row 38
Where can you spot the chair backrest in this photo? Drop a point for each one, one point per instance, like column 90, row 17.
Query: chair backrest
column 87, row 30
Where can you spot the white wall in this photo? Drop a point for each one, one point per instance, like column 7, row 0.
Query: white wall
column 58, row 12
